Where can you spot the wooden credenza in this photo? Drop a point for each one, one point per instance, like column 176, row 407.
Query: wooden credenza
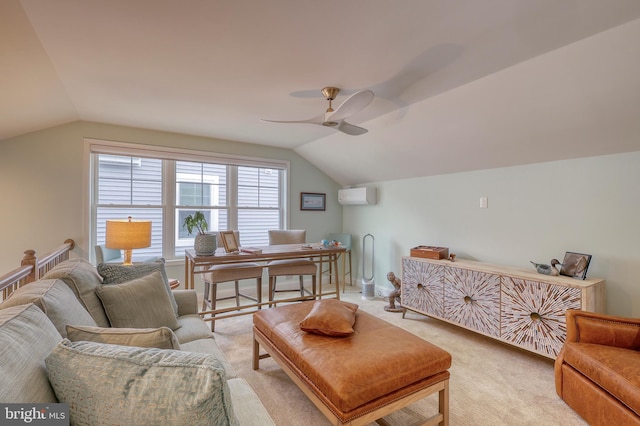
column 522, row 308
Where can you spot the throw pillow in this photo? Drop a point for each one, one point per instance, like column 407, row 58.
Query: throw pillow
column 140, row 303
column 161, row 338
column 26, row 339
column 55, row 299
column 82, row 277
column 109, row 384
column 113, row 273
column 330, row 317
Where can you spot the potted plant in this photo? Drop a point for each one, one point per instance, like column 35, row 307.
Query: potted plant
column 204, row 244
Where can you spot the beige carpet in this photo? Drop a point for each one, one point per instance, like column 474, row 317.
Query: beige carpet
column 491, row 383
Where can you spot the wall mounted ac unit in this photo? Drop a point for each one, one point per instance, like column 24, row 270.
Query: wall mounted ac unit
column 357, row 196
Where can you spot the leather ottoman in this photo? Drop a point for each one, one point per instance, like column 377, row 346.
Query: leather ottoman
column 378, row 369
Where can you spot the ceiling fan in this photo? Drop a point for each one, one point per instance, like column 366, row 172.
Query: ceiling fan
column 336, row 118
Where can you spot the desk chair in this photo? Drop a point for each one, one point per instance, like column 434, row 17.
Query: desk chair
column 300, row 267
column 345, row 242
column 107, row 255
column 225, row 273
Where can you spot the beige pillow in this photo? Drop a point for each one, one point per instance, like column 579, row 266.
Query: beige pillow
column 82, row 277
column 122, row 385
column 139, row 303
column 113, row 273
column 161, row 338
column 55, row 299
column 26, row 339
column 330, row 317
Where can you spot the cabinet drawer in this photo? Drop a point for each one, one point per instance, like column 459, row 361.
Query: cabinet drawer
column 533, row 314
column 472, row 299
column 422, row 287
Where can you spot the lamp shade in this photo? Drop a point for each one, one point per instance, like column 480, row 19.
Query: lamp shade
column 127, row 234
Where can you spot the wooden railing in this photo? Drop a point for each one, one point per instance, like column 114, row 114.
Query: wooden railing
column 32, row 268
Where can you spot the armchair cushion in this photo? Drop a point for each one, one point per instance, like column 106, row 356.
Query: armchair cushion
column 56, row 300
column 140, row 303
column 110, row 384
column 161, row 338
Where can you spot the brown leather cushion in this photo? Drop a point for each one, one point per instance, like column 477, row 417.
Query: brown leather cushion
column 616, row 370
column 609, row 332
column 376, row 360
column 330, row 317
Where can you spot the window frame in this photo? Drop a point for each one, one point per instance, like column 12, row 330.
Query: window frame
column 93, row 147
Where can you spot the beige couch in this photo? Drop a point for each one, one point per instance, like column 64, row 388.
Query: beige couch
column 160, row 365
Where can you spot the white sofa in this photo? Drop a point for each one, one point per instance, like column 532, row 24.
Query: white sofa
column 57, row 344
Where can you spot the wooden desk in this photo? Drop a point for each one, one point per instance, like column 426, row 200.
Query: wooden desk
column 194, row 264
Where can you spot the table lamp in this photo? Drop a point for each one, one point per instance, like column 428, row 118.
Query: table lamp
column 127, row 235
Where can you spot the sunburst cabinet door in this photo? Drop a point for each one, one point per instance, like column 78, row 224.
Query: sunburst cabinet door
column 533, row 314
column 472, row 299
column 422, row 287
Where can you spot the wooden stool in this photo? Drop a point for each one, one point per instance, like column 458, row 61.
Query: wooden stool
column 226, row 273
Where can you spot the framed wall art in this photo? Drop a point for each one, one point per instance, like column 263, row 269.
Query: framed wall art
column 312, row 201
column 229, row 241
column 575, row 265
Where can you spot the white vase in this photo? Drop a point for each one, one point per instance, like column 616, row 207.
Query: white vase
column 205, row 244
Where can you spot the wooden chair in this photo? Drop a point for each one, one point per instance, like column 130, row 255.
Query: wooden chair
column 300, row 267
column 226, row 273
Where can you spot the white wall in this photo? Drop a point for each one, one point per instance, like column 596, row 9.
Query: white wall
column 42, row 188
column 536, row 212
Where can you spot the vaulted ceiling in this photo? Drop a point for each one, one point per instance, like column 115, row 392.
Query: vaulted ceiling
column 459, row 85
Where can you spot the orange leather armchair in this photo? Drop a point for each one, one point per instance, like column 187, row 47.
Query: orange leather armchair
column 597, row 372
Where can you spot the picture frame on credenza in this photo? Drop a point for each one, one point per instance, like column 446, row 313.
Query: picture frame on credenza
column 575, row 265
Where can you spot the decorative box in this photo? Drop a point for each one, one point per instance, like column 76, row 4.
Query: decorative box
column 430, row 252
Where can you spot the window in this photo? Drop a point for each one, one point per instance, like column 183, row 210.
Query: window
column 165, row 186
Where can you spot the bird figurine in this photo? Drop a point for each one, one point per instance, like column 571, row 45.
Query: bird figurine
column 548, row 269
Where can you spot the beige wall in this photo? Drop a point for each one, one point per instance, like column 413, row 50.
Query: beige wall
column 42, row 188
column 536, row 212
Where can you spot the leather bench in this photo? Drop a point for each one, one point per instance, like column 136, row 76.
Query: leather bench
column 378, row 369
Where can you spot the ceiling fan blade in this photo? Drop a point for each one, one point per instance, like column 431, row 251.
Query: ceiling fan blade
column 352, row 105
column 315, row 120
column 350, row 129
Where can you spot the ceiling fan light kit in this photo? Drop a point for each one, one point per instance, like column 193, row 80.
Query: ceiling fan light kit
column 336, row 118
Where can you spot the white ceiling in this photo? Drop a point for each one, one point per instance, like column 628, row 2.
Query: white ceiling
column 460, row 84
